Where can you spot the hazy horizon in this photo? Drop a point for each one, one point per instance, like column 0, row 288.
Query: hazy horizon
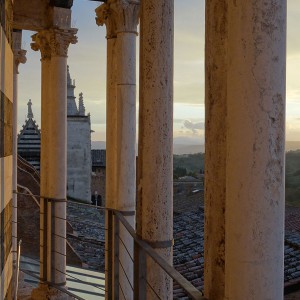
column 87, row 61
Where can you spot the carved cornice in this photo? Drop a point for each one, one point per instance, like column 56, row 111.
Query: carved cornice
column 54, row 42
column 118, row 16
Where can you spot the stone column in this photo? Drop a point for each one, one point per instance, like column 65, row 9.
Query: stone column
column 121, row 19
column 103, row 18
column 41, row 43
column 245, row 105
column 54, row 152
column 155, row 160
column 19, row 57
column 215, row 148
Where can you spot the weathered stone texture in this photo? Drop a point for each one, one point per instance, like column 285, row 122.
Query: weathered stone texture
column 79, row 158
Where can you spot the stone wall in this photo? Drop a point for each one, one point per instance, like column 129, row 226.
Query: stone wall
column 6, row 119
column 79, row 158
column 98, row 183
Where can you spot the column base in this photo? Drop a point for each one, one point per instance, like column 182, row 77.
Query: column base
column 45, row 292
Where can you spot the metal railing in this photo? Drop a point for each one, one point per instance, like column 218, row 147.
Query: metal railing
column 142, row 250
column 17, row 270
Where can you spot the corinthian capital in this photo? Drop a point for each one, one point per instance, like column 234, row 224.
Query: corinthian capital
column 118, row 16
column 40, row 42
column 104, row 17
column 19, row 54
column 20, row 58
column 60, row 39
column 54, row 42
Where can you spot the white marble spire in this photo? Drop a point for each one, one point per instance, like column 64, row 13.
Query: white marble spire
column 81, row 107
column 30, row 113
column 72, row 107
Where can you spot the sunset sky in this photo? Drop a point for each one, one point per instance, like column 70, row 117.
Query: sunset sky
column 87, row 61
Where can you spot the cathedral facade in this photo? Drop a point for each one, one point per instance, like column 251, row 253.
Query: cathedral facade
column 78, row 146
column 79, row 160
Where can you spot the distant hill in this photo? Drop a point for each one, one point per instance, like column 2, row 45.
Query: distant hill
column 181, row 146
column 292, row 145
column 180, row 149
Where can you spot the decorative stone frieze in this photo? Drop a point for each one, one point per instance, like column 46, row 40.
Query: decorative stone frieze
column 54, row 42
column 118, row 16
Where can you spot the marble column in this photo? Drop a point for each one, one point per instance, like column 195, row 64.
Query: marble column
column 103, row 18
column 54, row 151
column 245, row 105
column 155, row 159
column 121, row 17
column 41, row 43
column 19, row 57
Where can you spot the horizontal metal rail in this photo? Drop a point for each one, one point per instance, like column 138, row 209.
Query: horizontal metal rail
column 183, row 282
column 170, row 270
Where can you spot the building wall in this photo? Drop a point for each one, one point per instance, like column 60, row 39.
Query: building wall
column 98, row 183
column 79, row 158
column 6, row 108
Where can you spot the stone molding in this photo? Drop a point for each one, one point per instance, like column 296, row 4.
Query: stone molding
column 54, row 42
column 118, row 16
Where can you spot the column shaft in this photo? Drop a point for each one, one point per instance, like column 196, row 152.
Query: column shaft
column 155, row 215
column 126, row 143
column 46, row 89
column 126, row 121
column 215, row 147
column 111, row 142
column 111, row 125
column 256, row 150
column 253, row 42
column 15, row 168
column 19, row 57
column 57, row 175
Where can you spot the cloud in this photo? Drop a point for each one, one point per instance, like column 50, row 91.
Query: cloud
column 194, row 127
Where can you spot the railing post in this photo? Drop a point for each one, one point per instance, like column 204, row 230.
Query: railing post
column 140, row 269
column 109, row 254
column 116, row 257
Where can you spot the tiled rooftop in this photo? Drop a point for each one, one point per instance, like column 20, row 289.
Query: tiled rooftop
column 188, row 238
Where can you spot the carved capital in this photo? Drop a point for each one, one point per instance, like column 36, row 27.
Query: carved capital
column 40, row 42
column 118, row 16
column 19, row 58
column 19, row 53
column 60, row 39
column 54, row 42
column 127, row 14
column 104, row 17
